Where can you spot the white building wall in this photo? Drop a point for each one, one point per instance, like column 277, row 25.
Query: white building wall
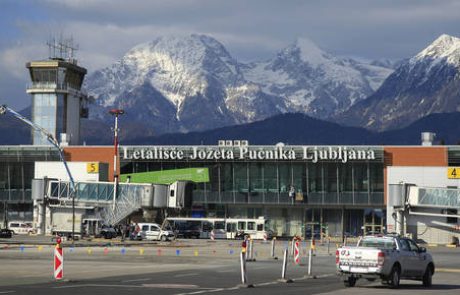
column 57, row 170
column 421, row 176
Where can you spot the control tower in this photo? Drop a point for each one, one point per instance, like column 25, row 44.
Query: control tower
column 58, row 101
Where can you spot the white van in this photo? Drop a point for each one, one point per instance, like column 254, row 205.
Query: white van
column 153, row 231
column 21, row 227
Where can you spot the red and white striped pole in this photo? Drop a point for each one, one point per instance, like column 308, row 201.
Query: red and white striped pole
column 213, row 235
column 58, row 260
column 296, row 252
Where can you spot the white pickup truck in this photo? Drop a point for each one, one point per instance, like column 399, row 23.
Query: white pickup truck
column 389, row 258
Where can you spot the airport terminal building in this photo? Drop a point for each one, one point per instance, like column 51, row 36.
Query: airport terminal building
column 339, row 190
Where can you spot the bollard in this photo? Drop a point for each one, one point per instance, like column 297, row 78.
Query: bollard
column 284, row 269
column 244, row 276
column 272, row 254
column 250, row 252
column 313, row 246
column 141, row 251
column 310, row 255
column 195, row 253
column 328, row 245
column 213, row 235
column 58, row 260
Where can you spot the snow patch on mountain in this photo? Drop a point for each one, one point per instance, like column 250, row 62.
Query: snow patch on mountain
column 445, row 47
column 193, row 83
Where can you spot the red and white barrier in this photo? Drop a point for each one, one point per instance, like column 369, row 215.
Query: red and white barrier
column 58, row 261
column 296, row 252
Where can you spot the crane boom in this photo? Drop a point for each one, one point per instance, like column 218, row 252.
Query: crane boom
column 5, row 109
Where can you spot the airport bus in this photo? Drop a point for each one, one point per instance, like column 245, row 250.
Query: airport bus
column 223, row 228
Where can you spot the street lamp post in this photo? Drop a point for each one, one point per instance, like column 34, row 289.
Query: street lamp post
column 116, row 113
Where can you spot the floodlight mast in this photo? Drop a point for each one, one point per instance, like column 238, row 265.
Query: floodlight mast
column 5, row 109
column 116, row 113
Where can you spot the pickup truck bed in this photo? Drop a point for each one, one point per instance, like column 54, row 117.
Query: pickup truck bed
column 387, row 258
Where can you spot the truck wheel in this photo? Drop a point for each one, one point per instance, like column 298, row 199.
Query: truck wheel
column 394, row 278
column 163, row 238
column 427, row 277
column 350, row 281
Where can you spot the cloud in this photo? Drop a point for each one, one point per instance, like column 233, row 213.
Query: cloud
column 251, row 30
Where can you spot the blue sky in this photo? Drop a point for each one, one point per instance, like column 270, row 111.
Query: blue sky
column 249, row 29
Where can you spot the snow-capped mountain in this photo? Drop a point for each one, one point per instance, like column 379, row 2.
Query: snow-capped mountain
column 427, row 83
column 315, row 82
column 192, row 83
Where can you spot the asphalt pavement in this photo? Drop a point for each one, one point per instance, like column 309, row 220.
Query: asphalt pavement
column 191, row 267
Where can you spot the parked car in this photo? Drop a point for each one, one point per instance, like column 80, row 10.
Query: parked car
column 20, row 227
column 187, row 231
column 153, row 231
column 6, row 233
column 389, row 258
column 108, row 232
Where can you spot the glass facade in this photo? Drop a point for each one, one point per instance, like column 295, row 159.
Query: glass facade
column 329, row 184
column 16, row 174
column 49, row 113
column 300, row 196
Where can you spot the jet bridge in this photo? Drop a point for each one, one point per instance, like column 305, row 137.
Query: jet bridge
column 96, row 199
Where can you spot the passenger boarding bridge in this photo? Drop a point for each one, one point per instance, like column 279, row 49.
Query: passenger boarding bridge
column 96, row 201
column 428, row 213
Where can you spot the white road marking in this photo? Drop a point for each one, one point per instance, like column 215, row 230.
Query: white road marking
column 137, row 280
column 7, row 292
column 186, row 275
column 97, row 285
column 204, row 291
column 172, row 286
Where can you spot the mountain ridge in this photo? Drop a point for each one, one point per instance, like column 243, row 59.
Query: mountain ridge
column 427, row 83
column 181, row 84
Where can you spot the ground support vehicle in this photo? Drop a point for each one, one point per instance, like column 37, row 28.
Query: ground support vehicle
column 389, row 258
column 223, row 228
column 62, row 224
column 19, row 227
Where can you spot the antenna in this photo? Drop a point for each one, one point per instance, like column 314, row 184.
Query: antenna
column 62, row 49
